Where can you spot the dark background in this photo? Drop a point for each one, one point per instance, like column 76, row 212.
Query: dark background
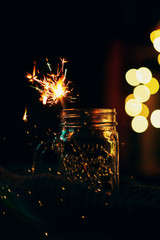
column 101, row 40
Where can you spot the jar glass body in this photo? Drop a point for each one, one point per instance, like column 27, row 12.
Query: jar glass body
column 89, row 147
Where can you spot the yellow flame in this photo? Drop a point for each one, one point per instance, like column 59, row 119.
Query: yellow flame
column 58, row 89
column 25, row 115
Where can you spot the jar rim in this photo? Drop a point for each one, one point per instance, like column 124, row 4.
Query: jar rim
column 75, row 111
column 96, row 116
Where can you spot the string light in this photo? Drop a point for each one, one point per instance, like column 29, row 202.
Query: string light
column 139, row 124
column 155, row 118
column 130, row 96
column 156, row 44
column 131, row 77
column 154, row 34
column 133, row 107
column 141, row 93
column 158, row 59
column 145, row 110
column 155, row 39
column 153, row 86
column 143, row 75
column 144, row 86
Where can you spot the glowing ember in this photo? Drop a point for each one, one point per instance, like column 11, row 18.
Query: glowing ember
column 52, row 87
column 25, row 115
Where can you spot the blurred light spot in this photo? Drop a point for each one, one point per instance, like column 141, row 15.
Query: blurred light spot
column 158, row 59
column 133, row 107
column 141, row 93
column 130, row 96
column 145, row 111
column 4, row 138
column 143, row 75
column 131, row 77
column 155, row 34
column 40, row 203
column 155, row 118
column 153, row 86
column 156, row 44
column 139, row 124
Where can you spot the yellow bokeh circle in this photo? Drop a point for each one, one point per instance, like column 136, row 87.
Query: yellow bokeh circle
column 141, row 93
column 153, row 86
column 130, row 96
column 139, row 124
column 143, row 75
column 155, row 118
column 133, row 107
column 158, row 59
column 154, row 35
column 131, row 78
column 145, row 110
column 156, row 44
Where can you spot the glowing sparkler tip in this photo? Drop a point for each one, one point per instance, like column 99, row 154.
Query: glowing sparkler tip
column 52, row 87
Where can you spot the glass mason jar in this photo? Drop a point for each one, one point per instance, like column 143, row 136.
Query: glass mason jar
column 89, row 147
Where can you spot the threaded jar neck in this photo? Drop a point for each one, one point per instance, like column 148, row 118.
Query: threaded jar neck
column 80, row 117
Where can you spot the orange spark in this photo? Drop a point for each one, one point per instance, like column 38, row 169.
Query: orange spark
column 32, row 76
column 52, row 87
column 25, row 115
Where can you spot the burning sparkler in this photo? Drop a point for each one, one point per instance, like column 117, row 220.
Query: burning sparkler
column 52, row 87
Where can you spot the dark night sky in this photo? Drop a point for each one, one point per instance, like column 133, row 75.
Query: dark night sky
column 80, row 32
